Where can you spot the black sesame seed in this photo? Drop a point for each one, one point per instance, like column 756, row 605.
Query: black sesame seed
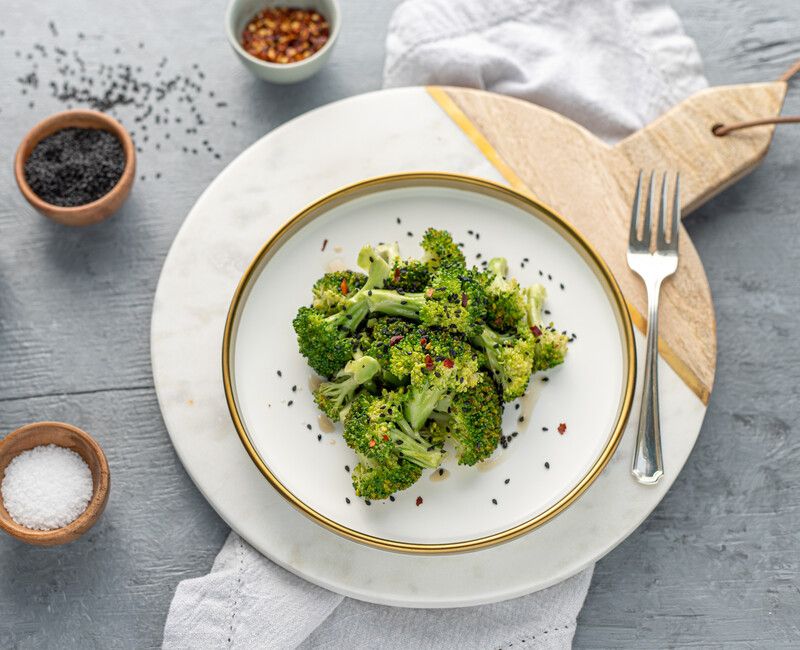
column 561, row 285
column 290, row 402
column 368, row 502
column 549, row 277
column 319, row 436
column 545, row 378
column 507, row 481
column 410, row 234
column 347, row 500
column 547, row 465
column 516, row 406
column 441, row 471
column 308, row 426
column 521, row 418
column 280, row 374
column 347, row 468
column 398, row 220
column 494, row 501
column 545, row 429
column 294, row 388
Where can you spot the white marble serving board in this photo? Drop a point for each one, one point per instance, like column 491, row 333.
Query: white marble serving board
column 367, row 135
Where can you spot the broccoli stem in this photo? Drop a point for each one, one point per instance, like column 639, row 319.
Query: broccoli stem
column 414, row 448
column 352, row 316
column 421, row 403
column 405, row 305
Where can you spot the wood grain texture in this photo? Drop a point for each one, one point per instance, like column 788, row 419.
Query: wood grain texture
column 590, row 184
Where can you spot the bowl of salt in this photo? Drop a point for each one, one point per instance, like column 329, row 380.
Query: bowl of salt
column 54, row 483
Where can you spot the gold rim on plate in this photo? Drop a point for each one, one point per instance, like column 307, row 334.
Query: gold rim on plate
column 455, row 181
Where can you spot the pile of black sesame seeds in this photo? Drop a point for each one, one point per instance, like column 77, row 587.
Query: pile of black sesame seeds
column 162, row 106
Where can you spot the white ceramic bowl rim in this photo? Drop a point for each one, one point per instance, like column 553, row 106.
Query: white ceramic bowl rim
column 333, row 20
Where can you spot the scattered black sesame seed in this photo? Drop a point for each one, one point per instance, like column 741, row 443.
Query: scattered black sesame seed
column 308, row 426
column 398, row 220
column 280, row 374
column 410, row 234
column 545, row 429
column 391, row 497
column 441, row 471
column 545, row 378
column 521, row 418
column 516, row 406
column 294, row 388
column 347, row 468
column 347, row 500
column 319, row 437
column 507, row 481
column 368, row 502
column 549, row 277
column 494, row 501
column 547, row 465
column 561, row 285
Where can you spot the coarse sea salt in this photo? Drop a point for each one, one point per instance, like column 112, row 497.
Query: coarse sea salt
column 46, row 487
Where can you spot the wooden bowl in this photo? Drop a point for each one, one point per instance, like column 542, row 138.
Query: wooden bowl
column 106, row 205
column 64, row 435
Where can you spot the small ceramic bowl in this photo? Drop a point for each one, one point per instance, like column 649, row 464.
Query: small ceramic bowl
column 63, row 435
column 106, row 205
column 240, row 12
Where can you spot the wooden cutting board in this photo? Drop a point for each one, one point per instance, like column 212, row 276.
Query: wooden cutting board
column 591, row 183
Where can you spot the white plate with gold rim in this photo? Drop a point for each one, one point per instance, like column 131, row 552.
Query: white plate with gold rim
column 561, row 433
column 377, row 133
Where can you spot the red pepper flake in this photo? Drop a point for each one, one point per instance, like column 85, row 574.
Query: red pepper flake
column 428, row 362
column 447, row 363
column 397, row 274
column 372, row 443
column 562, row 428
column 536, row 331
column 385, row 438
column 343, row 286
column 423, row 341
column 395, row 339
column 464, row 300
column 429, row 292
column 324, row 244
column 419, row 501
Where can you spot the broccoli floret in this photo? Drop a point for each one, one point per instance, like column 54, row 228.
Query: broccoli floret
column 437, row 365
column 473, row 421
column 440, row 250
column 506, row 303
column 375, row 428
column 408, row 275
column 378, row 338
column 332, row 396
column 510, row 359
column 327, row 341
column 332, row 291
column 456, row 300
column 374, row 479
column 551, row 348
column 534, row 301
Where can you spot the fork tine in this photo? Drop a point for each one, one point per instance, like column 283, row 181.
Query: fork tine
column 634, row 235
column 647, row 232
column 676, row 213
column 661, row 231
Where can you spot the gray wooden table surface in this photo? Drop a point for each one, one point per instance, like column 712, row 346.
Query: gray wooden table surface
column 716, row 565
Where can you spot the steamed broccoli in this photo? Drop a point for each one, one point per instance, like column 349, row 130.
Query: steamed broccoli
column 408, row 275
column 374, row 427
column 456, row 300
column 506, row 303
column 473, row 421
column 332, row 396
column 440, row 250
column 377, row 339
column 509, row 358
column 332, row 290
column 327, row 340
column 437, row 365
column 551, row 346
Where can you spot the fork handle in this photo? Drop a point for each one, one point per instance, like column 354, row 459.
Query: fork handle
column 648, row 465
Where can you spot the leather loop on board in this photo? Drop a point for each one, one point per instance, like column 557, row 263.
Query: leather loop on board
column 724, row 129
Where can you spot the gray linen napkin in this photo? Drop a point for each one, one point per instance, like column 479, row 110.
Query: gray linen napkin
column 610, row 65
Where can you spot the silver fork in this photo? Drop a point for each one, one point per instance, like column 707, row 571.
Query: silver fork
column 653, row 268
